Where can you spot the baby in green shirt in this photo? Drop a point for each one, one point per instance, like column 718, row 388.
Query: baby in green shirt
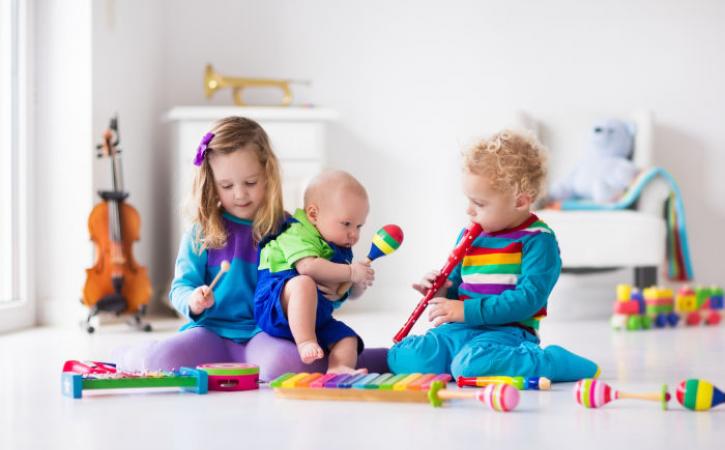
column 302, row 268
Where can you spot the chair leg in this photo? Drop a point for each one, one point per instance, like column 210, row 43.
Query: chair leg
column 645, row 276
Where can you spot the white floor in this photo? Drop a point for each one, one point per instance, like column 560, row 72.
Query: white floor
column 33, row 414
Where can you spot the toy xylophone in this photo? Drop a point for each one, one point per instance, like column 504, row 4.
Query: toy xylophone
column 421, row 388
column 592, row 393
column 699, row 395
column 79, row 376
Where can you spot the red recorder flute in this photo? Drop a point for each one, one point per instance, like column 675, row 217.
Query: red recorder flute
column 453, row 259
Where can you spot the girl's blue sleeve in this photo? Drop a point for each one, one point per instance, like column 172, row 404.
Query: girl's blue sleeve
column 189, row 274
column 455, row 276
column 540, row 268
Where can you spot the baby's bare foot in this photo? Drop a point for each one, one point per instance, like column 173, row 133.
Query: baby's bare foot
column 346, row 369
column 310, row 351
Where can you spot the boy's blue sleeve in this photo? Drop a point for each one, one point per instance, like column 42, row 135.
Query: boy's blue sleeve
column 189, row 274
column 455, row 276
column 540, row 268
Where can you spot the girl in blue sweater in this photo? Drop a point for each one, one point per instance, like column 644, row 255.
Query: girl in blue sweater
column 237, row 200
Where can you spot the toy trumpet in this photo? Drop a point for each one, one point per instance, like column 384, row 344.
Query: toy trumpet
column 699, row 395
column 520, row 383
column 592, row 393
column 213, row 82
column 453, row 259
column 385, row 242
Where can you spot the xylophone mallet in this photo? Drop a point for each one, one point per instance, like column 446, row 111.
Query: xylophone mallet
column 591, row 393
column 223, row 268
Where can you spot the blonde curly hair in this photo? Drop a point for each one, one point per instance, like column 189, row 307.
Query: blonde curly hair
column 513, row 161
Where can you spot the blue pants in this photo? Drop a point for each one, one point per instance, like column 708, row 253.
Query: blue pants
column 462, row 350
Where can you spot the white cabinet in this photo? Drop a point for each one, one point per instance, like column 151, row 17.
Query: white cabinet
column 297, row 135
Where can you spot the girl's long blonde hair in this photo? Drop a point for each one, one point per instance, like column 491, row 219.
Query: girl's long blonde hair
column 231, row 134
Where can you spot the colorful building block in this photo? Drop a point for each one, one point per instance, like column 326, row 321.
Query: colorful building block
column 659, row 307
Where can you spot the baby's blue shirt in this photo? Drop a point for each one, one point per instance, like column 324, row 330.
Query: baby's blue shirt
column 232, row 315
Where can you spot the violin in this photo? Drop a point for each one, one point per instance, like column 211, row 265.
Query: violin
column 116, row 283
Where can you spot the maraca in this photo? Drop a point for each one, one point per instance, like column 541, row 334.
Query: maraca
column 500, row 397
column 592, row 393
column 385, row 242
column 699, row 395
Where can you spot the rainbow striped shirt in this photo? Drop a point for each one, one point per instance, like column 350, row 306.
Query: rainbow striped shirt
column 505, row 277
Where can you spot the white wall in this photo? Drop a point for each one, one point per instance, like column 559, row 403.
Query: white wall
column 414, row 82
column 92, row 60
column 127, row 80
column 62, row 164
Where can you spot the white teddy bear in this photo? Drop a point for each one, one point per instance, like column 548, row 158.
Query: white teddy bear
column 606, row 170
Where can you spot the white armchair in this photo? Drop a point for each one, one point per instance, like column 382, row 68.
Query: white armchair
column 592, row 241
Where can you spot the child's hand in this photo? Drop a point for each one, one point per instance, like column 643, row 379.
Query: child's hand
column 443, row 310
column 329, row 291
column 361, row 273
column 201, row 299
column 357, row 290
column 427, row 282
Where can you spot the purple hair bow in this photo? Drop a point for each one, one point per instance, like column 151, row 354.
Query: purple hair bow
column 201, row 149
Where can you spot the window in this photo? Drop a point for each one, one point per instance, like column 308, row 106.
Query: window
column 16, row 308
column 8, row 62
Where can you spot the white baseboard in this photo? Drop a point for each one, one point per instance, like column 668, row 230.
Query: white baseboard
column 60, row 312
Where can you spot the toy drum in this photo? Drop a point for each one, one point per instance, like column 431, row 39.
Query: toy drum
column 231, row 376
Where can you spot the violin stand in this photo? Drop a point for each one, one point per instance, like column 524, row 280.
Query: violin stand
column 116, row 304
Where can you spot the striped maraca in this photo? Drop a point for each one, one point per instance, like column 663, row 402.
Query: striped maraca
column 385, row 242
column 699, row 395
column 500, row 397
column 591, row 393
